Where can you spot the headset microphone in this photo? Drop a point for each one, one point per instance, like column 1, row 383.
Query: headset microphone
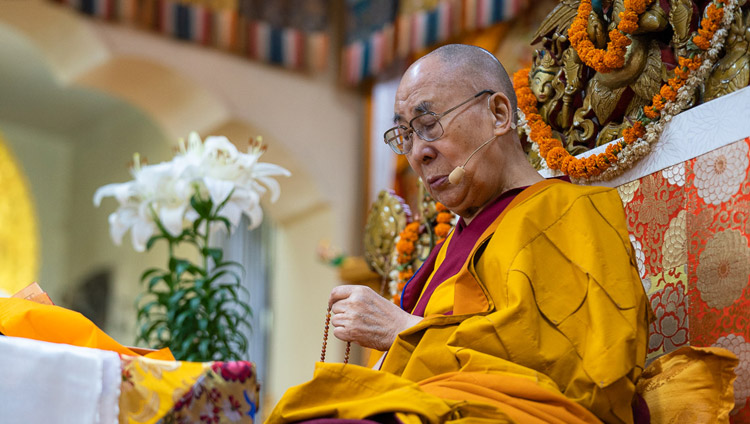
column 458, row 172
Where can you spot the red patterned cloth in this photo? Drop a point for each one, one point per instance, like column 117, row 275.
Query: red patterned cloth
column 690, row 226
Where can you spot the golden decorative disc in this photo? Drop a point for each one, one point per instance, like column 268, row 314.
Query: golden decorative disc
column 19, row 247
column 387, row 218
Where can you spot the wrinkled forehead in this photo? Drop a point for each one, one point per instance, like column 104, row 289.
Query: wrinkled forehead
column 427, row 85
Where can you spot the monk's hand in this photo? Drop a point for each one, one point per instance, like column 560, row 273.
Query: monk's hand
column 360, row 315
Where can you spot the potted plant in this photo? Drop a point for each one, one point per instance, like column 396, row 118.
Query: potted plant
column 193, row 307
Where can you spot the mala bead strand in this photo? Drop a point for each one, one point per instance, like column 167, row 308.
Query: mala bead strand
column 325, row 340
column 325, row 335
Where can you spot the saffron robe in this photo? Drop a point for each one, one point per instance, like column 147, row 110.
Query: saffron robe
column 549, row 321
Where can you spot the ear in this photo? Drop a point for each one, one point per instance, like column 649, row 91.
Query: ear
column 501, row 110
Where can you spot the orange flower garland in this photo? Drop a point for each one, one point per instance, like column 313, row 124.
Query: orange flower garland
column 444, row 218
column 552, row 150
column 405, row 257
column 406, row 246
column 710, row 23
column 613, row 58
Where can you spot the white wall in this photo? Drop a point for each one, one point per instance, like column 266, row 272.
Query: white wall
column 300, row 288
column 102, row 154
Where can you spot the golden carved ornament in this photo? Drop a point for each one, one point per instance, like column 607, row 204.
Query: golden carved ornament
column 585, row 108
column 427, row 215
column 388, row 216
column 732, row 71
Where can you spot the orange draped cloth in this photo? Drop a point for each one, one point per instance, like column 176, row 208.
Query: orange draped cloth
column 50, row 323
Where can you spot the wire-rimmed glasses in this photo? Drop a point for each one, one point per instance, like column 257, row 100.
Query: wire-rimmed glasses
column 427, row 126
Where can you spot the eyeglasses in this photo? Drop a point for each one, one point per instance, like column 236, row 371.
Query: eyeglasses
column 427, row 126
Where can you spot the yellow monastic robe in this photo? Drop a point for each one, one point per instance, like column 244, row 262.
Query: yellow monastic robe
column 550, row 321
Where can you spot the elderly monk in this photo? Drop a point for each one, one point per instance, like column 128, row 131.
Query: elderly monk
column 531, row 311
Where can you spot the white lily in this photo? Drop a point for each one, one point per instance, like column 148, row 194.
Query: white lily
column 214, row 167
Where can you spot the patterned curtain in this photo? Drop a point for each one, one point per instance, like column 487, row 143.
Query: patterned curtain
column 289, row 33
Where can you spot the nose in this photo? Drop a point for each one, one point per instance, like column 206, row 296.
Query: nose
column 422, row 151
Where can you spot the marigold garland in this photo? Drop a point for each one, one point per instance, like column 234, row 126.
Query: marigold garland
column 613, row 57
column 405, row 248
column 444, row 219
column 551, row 150
column 407, row 245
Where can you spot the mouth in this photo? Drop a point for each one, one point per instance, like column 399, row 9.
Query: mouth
column 437, row 181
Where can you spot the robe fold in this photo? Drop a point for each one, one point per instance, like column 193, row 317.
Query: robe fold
column 548, row 322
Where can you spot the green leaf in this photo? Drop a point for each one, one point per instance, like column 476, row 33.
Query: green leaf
column 154, row 281
column 224, row 202
column 182, row 266
column 227, row 224
column 148, row 327
column 179, row 322
column 146, row 309
column 194, row 303
column 201, row 206
column 176, row 297
column 215, row 253
column 221, row 273
column 152, row 240
column 203, row 346
column 149, row 272
column 196, row 224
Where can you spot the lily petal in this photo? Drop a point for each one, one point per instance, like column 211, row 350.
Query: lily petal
column 121, row 191
column 140, row 233
column 172, row 218
column 119, row 224
column 267, row 169
column 215, row 145
column 273, row 187
column 218, row 189
column 232, row 212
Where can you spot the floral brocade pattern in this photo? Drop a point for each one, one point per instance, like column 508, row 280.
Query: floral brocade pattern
column 670, row 328
column 690, row 227
column 723, row 268
column 741, row 348
column 187, row 392
column 718, row 174
column 227, row 393
column 674, row 249
column 654, row 204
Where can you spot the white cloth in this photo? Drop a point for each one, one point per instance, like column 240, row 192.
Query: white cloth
column 45, row 383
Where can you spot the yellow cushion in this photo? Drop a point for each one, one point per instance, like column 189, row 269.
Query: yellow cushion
column 690, row 385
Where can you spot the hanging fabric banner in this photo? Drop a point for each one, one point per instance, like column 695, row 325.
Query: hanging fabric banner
column 379, row 32
column 369, row 39
column 289, row 33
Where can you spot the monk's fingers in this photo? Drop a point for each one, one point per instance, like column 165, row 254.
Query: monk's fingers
column 340, row 320
column 353, row 294
column 343, row 333
column 340, row 307
column 339, row 293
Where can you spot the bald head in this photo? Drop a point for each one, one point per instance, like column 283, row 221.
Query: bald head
column 475, row 66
